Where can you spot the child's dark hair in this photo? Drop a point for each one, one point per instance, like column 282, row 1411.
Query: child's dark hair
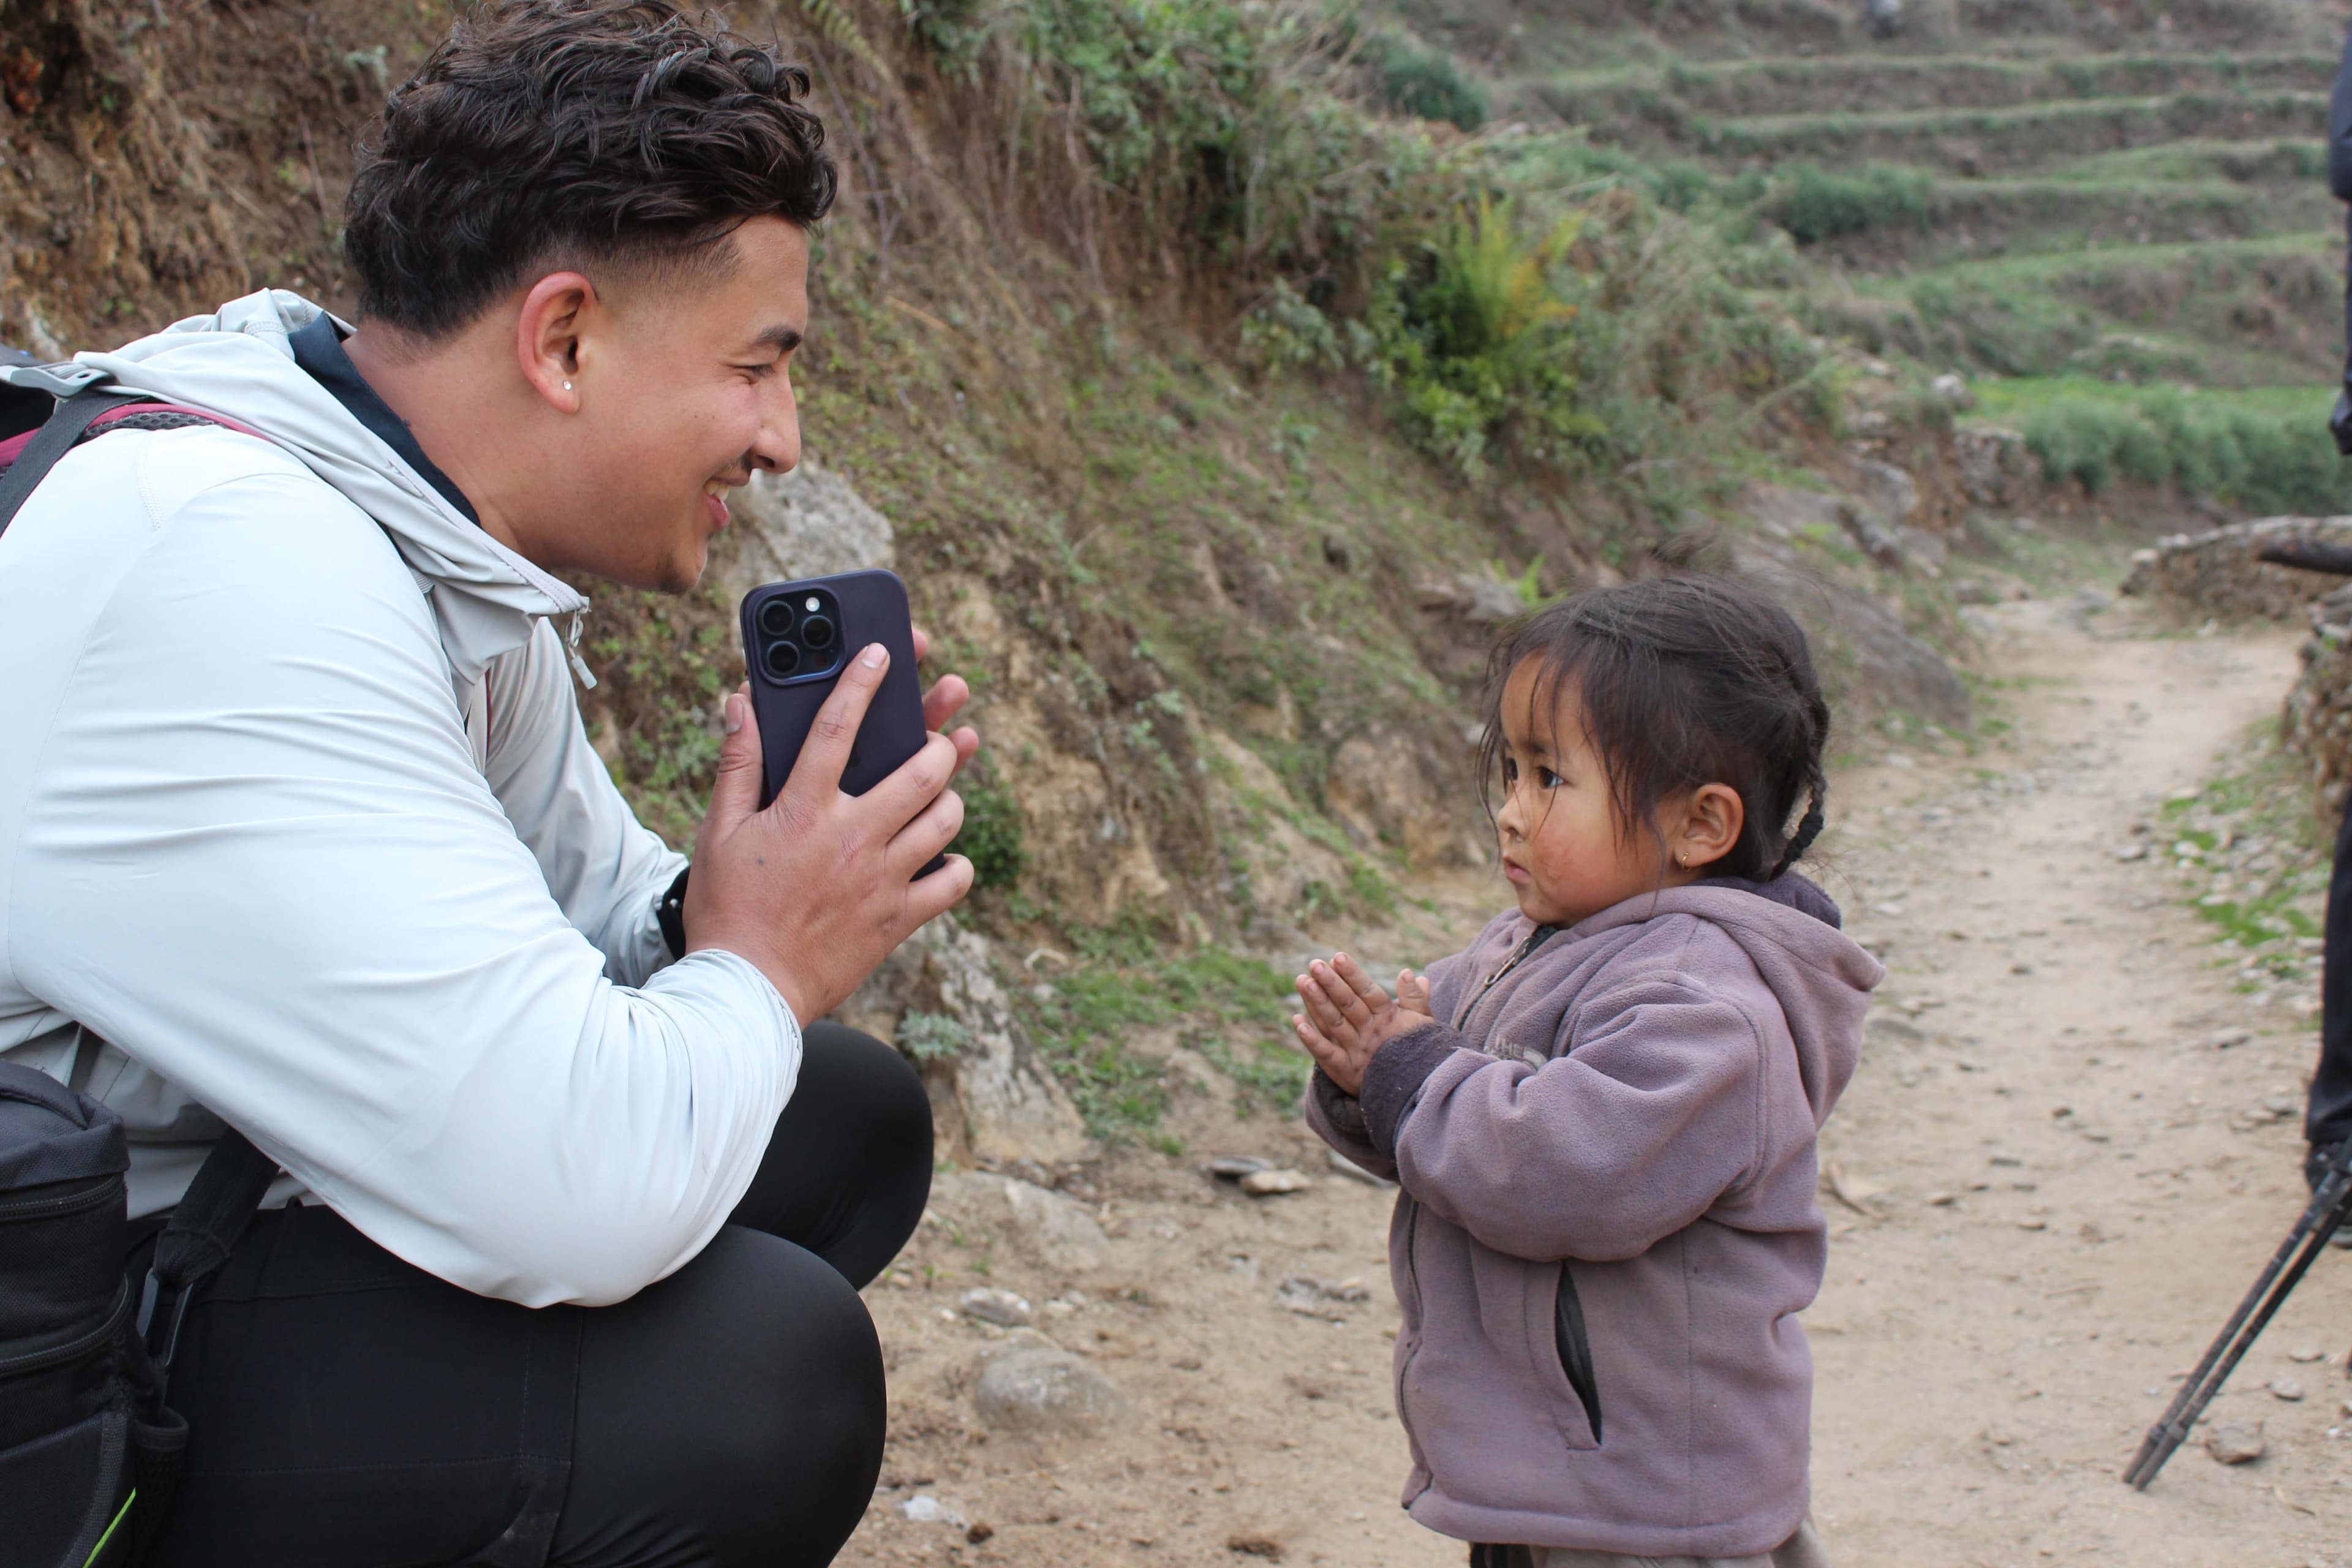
column 1684, row 681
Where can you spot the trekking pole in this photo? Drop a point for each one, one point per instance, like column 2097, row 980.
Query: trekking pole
column 2331, row 1205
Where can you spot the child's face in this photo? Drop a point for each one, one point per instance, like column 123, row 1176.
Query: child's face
column 1561, row 844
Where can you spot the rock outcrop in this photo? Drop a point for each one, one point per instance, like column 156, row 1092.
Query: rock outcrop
column 1863, row 646
column 991, row 1099
column 808, row 523
column 1037, row 1391
column 1051, row 1229
column 1995, row 468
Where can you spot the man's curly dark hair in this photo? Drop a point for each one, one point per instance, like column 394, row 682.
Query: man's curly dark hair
column 616, row 133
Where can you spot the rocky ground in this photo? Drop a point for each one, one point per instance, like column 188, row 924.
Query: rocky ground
column 2072, row 1143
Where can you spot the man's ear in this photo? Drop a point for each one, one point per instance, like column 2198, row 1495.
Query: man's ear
column 1711, row 826
column 557, row 313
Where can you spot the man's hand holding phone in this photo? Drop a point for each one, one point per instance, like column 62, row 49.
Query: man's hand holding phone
column 815, row 890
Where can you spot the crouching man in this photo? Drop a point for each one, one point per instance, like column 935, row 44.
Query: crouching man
column 299, row 832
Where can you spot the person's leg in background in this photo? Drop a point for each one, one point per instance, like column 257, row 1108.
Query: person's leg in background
column 2327, row 1116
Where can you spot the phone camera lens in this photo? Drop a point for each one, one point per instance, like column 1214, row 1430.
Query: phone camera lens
column 817, row 632
column 776, row 617
column 782, row 657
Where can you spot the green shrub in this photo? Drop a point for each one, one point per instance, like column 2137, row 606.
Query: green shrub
column 1475, row 336
column 1285, row 333
column 2259, row 460
column 948, row 27
column 2076, row 440
column 992, row 836
column 1429, row 83
column 1215, row 128
column 1682, row 186
column 1814, row 204
column 2125, row 356
column 932, row 1037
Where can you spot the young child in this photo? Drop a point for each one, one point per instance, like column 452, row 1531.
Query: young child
column 1603, row 1113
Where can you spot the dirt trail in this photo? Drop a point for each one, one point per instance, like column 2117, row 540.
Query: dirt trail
column 2056, row 1205
column 1987, row 1362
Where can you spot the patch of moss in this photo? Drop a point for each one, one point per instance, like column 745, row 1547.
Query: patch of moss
column 1230, row 1006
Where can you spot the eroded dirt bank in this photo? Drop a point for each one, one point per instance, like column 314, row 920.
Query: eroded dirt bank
column 2059, row 1185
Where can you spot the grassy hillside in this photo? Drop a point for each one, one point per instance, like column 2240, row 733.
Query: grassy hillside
column 1228, row 369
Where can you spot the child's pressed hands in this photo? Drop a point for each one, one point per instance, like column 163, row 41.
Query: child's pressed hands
column 1348, row 1018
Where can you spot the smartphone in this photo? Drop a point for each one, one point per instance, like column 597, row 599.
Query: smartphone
column 797, row 636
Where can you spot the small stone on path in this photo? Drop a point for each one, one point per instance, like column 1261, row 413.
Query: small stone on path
column 1033, row 1389
column 924, row 1509
column 2236, row 1442
column 1233, row 1167
column 2307, row 1354
column 1268, row 1184
column 990, row 1305
column 2286, row 1388
column 1312, row 1298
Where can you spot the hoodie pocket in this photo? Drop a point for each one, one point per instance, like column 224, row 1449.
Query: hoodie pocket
column 1574, row 1348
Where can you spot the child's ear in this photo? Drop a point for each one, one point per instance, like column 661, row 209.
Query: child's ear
column 1710, row 827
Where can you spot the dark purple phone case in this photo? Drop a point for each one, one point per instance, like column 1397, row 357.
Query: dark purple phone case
column 873, row 609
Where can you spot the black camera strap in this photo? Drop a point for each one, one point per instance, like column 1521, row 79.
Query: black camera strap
column 203, row 1230
column 52, row 441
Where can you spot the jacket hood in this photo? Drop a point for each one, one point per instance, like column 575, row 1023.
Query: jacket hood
column 1787, row 928
column 239, row 362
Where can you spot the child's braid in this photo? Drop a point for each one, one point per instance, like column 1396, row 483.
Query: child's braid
column 1809, row 827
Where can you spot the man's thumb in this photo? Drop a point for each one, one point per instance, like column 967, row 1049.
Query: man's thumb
column 735, row 795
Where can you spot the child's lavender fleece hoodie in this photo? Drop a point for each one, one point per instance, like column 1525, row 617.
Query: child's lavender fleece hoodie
column 1608, row 1223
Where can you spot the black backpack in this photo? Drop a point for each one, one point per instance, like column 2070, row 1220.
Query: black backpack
column 90, row 1452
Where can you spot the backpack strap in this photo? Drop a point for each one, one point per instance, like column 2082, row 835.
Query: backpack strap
column 74, row 417
column 218, row 1205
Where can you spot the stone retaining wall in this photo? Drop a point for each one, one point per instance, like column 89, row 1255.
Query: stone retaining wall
column 2216, row 573
column 2317, row 719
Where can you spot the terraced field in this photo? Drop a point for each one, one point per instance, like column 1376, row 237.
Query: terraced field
column 2053, row 193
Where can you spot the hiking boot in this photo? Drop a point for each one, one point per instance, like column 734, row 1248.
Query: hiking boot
column 2316, row 1160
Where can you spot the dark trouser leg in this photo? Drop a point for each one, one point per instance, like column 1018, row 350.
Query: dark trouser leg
column 848, row 1184
column 685, row 1456
column 2328, row 1117
column 738, row 1419
column 350, row 1410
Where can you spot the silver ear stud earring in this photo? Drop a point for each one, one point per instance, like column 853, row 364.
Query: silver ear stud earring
column 567, row 386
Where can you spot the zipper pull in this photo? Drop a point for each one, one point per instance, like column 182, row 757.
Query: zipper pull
column 579, row 669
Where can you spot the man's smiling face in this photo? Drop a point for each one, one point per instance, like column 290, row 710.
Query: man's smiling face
column 689, row 392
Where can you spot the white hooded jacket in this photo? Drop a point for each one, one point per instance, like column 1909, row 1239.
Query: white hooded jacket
column 298, row 814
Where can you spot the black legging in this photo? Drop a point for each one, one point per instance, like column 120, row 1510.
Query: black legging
column 2327, row 1118
column 350, row 1411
